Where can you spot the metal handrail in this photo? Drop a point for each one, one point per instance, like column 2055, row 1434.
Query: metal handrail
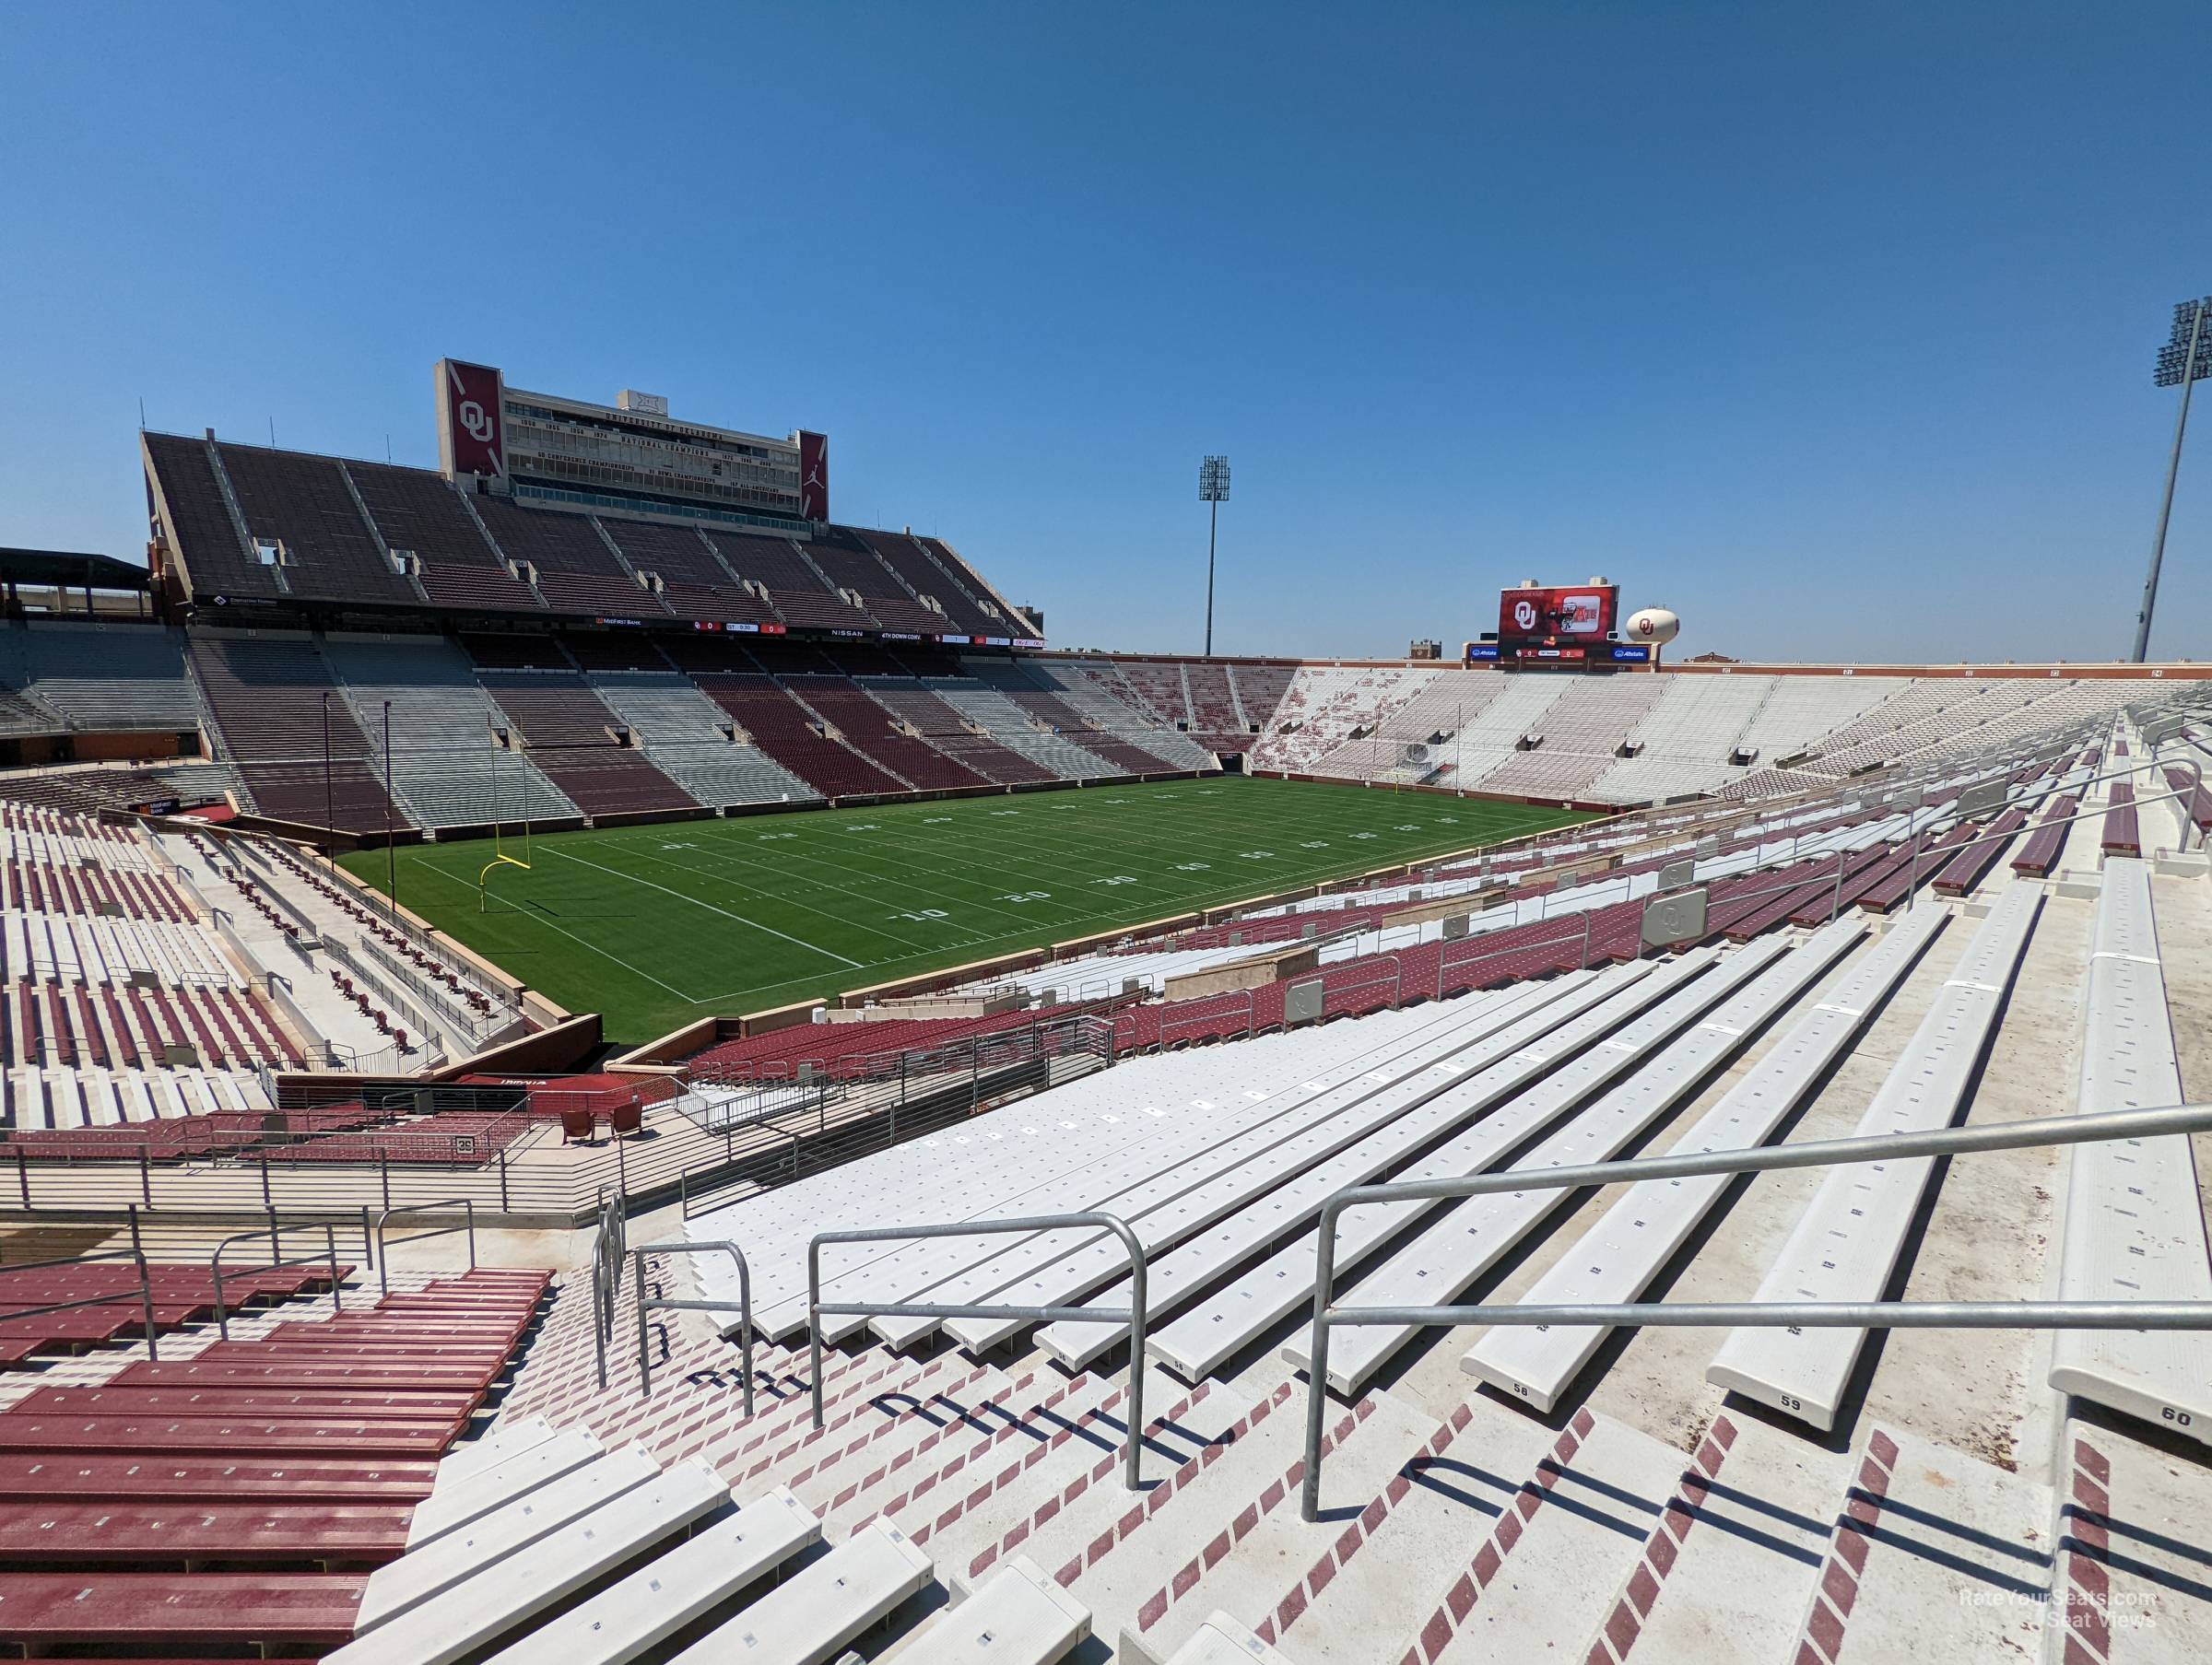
column 661, row 1304
column 272, row 1231
column 1133, row 1316
column 1866, row 1315
column 136, row 1253
column 383, row 1257
column 607, row 1246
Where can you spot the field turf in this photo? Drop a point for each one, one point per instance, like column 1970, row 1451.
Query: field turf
column 657, row 926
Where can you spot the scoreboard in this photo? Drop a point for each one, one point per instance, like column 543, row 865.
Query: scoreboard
column 1561, row 625
column 1580, row 614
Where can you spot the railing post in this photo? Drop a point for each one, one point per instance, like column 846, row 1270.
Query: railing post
column 644, row 1351
column 621, row 1172
column 265, row 1203
column 145, row 1291
column 368, row 1251
column 384, row 1171
column 23, row 1175
column 145, row 1176
column 504, row 1208
column 1317, row 1369
column 814, row 1324
column 275, row 1241
column 330, row 1247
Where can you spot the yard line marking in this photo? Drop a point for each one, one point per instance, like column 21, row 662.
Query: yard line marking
column 679, row 895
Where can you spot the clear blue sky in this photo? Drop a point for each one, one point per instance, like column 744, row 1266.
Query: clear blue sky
column 1831, row 327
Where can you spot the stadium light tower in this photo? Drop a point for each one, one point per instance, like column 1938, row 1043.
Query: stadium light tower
column 1213, row 489
column 2184, row 361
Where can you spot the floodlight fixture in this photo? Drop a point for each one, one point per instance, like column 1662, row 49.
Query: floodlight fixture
column 1213, row 491
column 2183, row 363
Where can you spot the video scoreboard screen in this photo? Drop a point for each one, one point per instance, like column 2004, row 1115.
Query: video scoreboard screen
column 1557, row 617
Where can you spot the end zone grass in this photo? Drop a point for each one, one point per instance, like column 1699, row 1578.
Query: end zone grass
column 658, row 926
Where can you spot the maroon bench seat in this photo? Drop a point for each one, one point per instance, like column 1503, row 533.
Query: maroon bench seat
column 364, row 1404
column 263, row 1435
column 84, row 1475
column 489, row 1359
column 325, row 1376
column 2038, row 854
column 1964, row 871
column 2123, row 835
column 90, row 1533
column 263, row 1611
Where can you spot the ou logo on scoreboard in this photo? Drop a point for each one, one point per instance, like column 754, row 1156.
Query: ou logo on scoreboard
column 474, row 419
column 1524, row 614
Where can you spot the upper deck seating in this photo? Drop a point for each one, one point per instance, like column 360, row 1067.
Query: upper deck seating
column 851, row 564
column 423, row 512
column 576, row 570
column 796, row 591
column 306, row 503
column 198, row 524
column 941, row 581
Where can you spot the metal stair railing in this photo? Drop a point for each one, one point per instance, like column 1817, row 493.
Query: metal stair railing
column 1851, row 1315
column 665, row 1304
column 1133, row 1315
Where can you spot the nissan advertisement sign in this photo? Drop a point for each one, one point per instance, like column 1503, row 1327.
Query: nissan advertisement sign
column 1574, row 613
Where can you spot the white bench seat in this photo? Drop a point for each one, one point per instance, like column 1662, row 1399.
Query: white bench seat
column 668, row 1593
column 1847, row 1242
column 1618, row 1257
column 2133, row 1228
column 809, row 1618
column 415, row 1578
column 509, row 1591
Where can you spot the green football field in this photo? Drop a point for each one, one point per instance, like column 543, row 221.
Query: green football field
column 657, row 926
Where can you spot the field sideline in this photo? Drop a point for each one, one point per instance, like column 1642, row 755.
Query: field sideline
column 658, row 926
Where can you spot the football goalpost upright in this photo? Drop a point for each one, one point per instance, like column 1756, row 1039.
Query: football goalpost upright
column 499, row 842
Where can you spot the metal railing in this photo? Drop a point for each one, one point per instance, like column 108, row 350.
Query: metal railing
column 1133, row 1315
column 1857, row 1315
column 273, row 1232
column 145, row 1292
column 383, row 1254
column 607, row 1273
column 665, row 1304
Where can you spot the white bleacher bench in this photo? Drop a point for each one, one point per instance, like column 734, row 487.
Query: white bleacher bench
column 493, row 1484
column 1468, row 1237
column 505, row 1592
column 2133, row 1226
column 1266, row 1168
column 1222, row 1641
column 507, row 1439
column 1618, row 1257
column 1487, row 1079
column 413, row 1579
column 810, row 1617
column 1846, row 1244
column 1018, row 1616
column 713, row 1565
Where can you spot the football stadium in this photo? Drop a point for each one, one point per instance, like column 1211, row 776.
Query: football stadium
column 598, row 1064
